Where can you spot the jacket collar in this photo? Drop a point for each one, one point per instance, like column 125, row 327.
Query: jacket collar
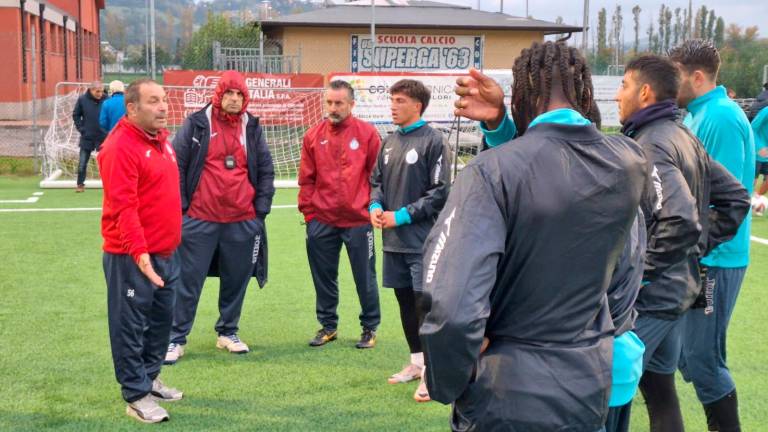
column 157, row 139
column 666, row 109
column 697, row 104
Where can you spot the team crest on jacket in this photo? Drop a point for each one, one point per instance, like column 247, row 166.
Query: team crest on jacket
column 411, row 157
column 354, row 144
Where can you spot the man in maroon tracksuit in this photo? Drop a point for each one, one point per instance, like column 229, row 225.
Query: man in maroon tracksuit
column 337, row 158
column 227, row 184
column 141, row 226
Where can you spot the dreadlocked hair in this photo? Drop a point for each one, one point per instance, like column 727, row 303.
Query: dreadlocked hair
column 534, row 71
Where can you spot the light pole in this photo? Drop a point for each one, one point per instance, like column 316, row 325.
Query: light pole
column 585, row 28
column 152, row 36
column 373, row 35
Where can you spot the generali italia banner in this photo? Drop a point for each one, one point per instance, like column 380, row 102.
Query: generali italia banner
column 275, row 98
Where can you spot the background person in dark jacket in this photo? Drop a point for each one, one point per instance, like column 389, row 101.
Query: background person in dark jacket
column 337, row 158
column 522, row 255
column 761, row 101
column 409, row 186
column 227, row 185
column 691, row 205
column 86, row 119
column 113, row 109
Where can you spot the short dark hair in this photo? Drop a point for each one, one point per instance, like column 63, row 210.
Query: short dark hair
column 339, row 84
column 659, row 73
column 133, row 92
column 413, row 89
column 697, row 54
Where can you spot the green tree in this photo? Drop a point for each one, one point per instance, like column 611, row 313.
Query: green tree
column 719, row 38
column 636, row 18
column 677, row 30
column 198, row 54
column 743, row 56
column 711, row 25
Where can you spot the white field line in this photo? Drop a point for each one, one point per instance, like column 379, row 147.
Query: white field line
column 29, row 200
column 85, row 209
column 759, row 240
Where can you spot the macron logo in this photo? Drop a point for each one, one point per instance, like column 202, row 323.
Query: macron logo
column 441, row 241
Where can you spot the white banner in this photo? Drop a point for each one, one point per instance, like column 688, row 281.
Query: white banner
column 372, row 95
column 415, row 53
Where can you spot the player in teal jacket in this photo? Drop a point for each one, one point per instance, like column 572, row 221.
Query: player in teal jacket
column 724, row 130
column 760, row 129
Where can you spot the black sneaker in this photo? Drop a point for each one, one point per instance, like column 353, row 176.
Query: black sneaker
column 367, row 339
column 322, row 337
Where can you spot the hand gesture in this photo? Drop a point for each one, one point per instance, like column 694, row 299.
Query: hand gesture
column 480, row 98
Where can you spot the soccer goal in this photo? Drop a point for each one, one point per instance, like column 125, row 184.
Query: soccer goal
column 284, row 117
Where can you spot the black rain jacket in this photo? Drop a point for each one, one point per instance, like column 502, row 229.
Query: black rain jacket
column 523, row 253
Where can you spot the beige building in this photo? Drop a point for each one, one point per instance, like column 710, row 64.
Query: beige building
column 413, row 36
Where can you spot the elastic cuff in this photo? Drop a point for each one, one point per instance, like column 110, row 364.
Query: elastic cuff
column 375, row 206
column 136, row 254
column 505, row 132
column 402, row 217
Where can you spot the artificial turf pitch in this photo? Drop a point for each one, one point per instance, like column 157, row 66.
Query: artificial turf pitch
column 56, row 369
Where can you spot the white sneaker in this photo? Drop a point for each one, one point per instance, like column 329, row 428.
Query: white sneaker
column 147, row 410
column 174, row 353
column 409, row 373
column 162, row 392
column 232, row 343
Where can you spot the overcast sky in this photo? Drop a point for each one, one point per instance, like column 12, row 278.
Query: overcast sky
column 742, row 12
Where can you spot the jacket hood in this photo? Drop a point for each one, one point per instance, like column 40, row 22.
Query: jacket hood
column 230, row 80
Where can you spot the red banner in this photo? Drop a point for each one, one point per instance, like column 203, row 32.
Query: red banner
column 277, row 99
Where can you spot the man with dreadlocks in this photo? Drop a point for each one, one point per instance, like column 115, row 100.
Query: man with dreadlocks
column 518, row 333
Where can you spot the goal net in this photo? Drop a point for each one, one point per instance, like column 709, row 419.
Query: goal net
column 285, row 115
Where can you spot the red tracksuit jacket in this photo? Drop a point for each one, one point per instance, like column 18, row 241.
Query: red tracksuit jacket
column 142, row 201
column 335, row 170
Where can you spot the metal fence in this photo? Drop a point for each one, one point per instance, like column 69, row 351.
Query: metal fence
column 254, row 59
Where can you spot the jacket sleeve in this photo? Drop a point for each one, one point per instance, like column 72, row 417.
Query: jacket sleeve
column 728, row 144
column 374, row 145
column 182, row 143
column 627, row 276
column 728, row 206
column 377, row 193
column 122, row 192
column 104, row 116
column 77, row 116
column 307, row 175
column 675, row 227
column 460, row 265
column 265, row 187
column 438, row 162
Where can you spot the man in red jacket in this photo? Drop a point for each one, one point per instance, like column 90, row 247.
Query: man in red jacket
column 227, row 184
column 141, row 226
column 337, row 158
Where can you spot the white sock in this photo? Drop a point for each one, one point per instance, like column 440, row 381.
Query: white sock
column 418, row 359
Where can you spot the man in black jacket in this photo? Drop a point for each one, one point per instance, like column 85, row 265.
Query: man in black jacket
column 227, row 177
column 761, row 101
column 518, row 332
column 86, row 118
column 691, row 205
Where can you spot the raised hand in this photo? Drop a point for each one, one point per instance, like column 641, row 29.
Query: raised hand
column 480, row 98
